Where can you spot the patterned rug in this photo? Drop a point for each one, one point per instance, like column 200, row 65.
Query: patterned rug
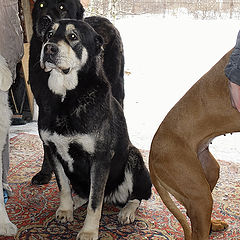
column 32, row 208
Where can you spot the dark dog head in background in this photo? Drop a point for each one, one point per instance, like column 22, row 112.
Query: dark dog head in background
column 47, row 11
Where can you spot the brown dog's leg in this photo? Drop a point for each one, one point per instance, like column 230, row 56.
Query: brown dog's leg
column 199, row 212
column 180, row 172
column 211, row 169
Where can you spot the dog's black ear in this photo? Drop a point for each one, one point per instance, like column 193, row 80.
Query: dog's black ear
column 42, row 25
column 99, row 44
column 80, row 11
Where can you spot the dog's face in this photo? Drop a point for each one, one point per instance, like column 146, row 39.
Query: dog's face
column 69, row 47
column 55, row 10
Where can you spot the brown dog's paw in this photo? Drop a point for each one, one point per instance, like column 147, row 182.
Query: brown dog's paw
column 218, row 225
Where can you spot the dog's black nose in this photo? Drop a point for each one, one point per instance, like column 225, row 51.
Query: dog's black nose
column 50, row 53
column 50, row 49
column 45, row 20
column 42, row 24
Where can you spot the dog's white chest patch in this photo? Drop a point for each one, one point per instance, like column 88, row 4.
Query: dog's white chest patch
column 59, row 82
column 87, row 141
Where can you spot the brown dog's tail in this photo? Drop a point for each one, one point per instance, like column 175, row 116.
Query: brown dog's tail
column 167, row 200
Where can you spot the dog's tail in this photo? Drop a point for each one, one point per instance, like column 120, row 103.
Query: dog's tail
column 167, row 200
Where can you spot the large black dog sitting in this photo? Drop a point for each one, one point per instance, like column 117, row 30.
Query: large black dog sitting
column 84, row 129
column 46, row 11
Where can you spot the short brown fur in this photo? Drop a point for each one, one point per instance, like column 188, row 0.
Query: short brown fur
column 180, row 162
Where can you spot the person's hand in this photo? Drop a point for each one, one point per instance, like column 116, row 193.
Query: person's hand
column 235, row 95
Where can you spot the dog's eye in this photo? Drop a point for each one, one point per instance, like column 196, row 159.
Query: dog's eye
column 41, row 5
column 61, row 7
column 49, row 35
column 72, row 37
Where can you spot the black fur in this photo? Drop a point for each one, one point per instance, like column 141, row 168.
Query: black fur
column 113, row 57
column 90, row 109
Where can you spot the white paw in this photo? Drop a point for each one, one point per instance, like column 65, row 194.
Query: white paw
column 87, row 235
column 64, row 216
column 7, row 229
column 128, row 213
column 126, row 217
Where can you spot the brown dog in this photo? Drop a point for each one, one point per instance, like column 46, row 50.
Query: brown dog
column 180, row 161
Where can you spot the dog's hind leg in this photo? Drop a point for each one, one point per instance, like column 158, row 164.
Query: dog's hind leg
column 78, row 202
column 174, row 166
column 141, row 185
column 211, row 169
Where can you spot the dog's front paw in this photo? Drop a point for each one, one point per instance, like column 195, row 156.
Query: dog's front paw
column 64, row 216
column 7, row 229
column 87, row 235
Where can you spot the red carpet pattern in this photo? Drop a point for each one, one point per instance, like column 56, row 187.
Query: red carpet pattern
column 32, row 208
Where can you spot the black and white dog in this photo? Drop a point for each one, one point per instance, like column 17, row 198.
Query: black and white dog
column 84, row 129
column 46, row 11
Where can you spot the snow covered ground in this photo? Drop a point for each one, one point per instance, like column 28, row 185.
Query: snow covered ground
column 164, row 58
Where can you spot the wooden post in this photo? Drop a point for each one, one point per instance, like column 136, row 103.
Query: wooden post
column 27, row 18
column 25, row 65
column 28, row 33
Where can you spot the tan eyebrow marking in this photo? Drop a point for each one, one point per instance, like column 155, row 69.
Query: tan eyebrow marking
column 55, row 26
column 70, row 28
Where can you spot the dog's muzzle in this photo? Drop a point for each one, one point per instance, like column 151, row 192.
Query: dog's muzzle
column 50, row 58
column 50, row 52
column 43, row 24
